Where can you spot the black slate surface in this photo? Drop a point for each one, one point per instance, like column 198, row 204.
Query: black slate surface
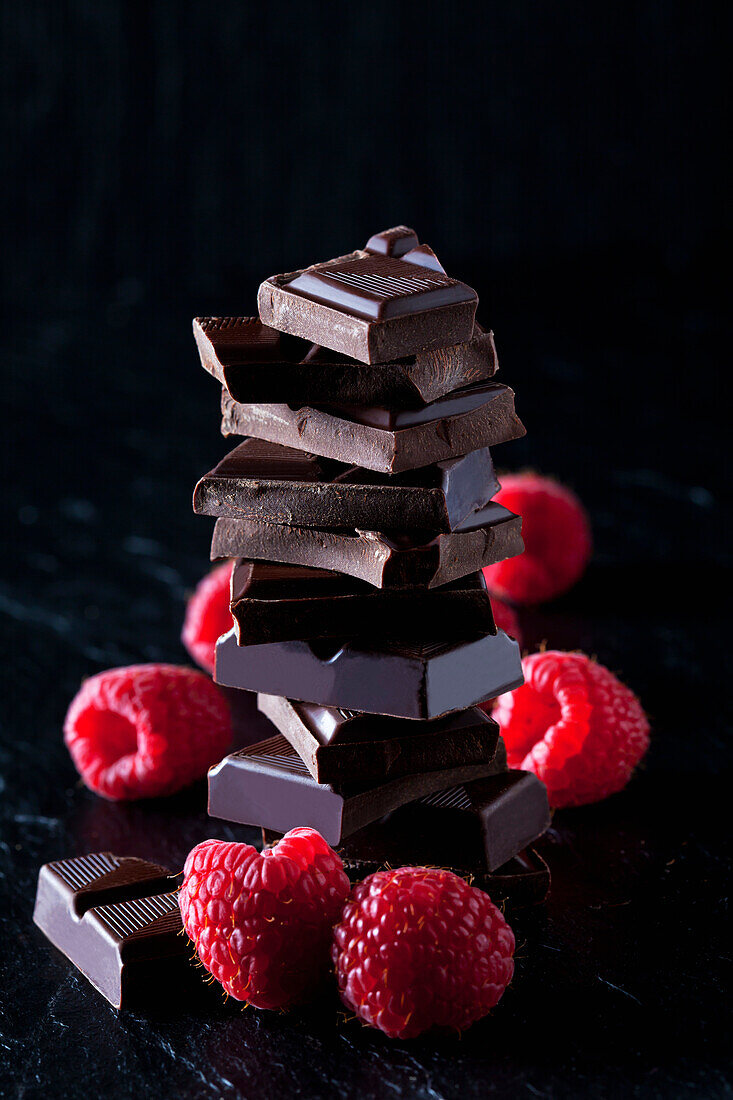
column 620, row 979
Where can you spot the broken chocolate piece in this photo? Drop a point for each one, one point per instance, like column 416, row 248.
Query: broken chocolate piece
column 478, row 416
column 406, row 680
column 336, row 745
column 475, row 829
column 385, row 560
column 256, row 363
column 392, row 242
column 284, row 485
column 273, row 603
column 269, row 785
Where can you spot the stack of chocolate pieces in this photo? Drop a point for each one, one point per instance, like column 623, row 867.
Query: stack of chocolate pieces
column 358, row 509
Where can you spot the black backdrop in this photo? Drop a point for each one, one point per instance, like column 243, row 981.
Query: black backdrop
column 564, row 158
column 161, row 152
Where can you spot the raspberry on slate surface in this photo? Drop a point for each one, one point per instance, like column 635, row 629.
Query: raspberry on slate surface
column 557, row 540
column 418, row 948
column 575, row 725
column 208, row 615
column 262, row 922
column 146, row 730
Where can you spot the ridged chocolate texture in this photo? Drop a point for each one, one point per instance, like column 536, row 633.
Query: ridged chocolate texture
column 256, row 363
column 273, row 603
column 403, row 680
column 371, row 306
column 264, row 480
column 384, row 560
column 269, row 785
column 488, row 418
column 337, row 746
column 380, row 287
column 117, row 919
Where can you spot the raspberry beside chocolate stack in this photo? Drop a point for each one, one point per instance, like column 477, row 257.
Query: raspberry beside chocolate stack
column 358, row 510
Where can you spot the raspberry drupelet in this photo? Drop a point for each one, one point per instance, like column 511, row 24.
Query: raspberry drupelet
column 419, row 948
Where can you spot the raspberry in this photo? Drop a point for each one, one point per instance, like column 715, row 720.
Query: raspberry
column 262, row 922
column 419, row 948
column 506, row 619
column 146, row 730
column 575, row 725
column 208, row 615
column 557, row 540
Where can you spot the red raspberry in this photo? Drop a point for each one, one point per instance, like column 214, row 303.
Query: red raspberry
column 506, row 619
column 146, row 730
column 261, row 922
column 557, row 540
column 573, row 724
column 419, row 948
column 208, row 615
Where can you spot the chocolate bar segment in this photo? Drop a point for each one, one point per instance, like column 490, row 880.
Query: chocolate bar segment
column 256, row 363
column 473, row 828
column 273, row 603
column 479, row 416
column 371, row 305
column 117, row 919
column 495, row 817
column 393, row 242
column 378, row 288
column 385, row 560
column 404, row 680
column 269, row 785
column 336, row 745
column 284, row 485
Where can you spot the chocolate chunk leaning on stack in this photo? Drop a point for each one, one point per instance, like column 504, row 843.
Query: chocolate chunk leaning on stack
column 358, row 510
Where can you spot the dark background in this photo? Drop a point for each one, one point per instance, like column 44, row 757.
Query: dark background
column 567, row 160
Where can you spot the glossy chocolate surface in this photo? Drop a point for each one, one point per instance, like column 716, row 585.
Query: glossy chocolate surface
column 269, row 785
column 117, row 920
column 372, row 305
column 379, row 287
column 405, row 680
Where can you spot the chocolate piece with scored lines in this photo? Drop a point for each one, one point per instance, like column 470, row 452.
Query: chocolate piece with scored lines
column 383, row 559
column 117, row 919
column 372, row 305
column 269, row 785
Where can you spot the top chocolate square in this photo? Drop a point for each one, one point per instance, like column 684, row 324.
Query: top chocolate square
column 374, row 305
